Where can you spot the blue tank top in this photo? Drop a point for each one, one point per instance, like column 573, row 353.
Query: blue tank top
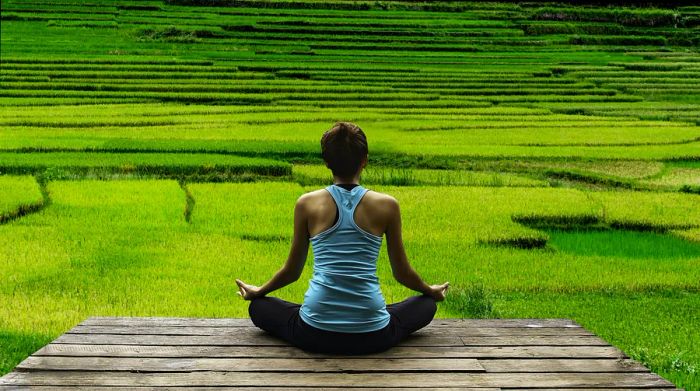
column 343, row 293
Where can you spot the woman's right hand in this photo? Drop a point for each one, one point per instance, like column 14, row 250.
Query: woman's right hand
column 438, row 292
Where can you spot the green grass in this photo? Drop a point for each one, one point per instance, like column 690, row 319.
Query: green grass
column 321, row 175
column 493, row 132
column 688, row 234
column 139, row 256
column 63, row 164
column 623, row 244
column 657, row 328
column 18, row 195
column 236, row 209
column 648, row 210
column 676, row 177
column 492, row 124
column 626, row 169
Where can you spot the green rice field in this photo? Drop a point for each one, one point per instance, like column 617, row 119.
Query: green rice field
column 546, row 157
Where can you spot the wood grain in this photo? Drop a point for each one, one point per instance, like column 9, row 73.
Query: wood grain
column 238, row 322
column 282, row 379
column 250, row 364
column 238, row 330
column 215, row 353
column 257, row 339
column 346, row 364
column 288, row 351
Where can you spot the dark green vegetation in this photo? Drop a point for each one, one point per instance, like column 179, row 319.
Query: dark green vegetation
column 546, row 157
column 625, row 244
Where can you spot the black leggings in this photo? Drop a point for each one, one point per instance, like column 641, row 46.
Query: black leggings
column 281, row 319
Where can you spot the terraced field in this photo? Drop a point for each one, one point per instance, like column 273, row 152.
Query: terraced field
column 546, row 157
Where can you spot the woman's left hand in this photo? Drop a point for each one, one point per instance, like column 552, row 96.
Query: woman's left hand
column 246, row 291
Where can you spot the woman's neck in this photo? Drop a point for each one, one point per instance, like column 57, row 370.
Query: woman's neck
column 346, row 181
column 346, row 186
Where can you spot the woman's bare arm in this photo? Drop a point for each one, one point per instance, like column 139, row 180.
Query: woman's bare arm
column 400, row 267
column 291, row 271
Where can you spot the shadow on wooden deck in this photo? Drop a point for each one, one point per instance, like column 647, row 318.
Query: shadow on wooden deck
column 218, row 353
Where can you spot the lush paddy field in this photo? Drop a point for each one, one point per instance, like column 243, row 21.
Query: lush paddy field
column 546, row 158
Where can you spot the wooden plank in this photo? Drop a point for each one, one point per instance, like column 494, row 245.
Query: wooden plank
column 292, row 352
column 503, row 331
column 562, row 365
column 392, row 365
column 506, row 322
column 166, row 321
column 35, row 363
column 291, row 379
column 226, row 330
column 260, row 339
column 240, row 322
column 152, row 353
column 255, row 388
column 517, row 340
column 7, row 378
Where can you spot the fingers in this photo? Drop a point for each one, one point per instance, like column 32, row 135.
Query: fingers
column 241, row 288
column 242, row 285
column 443, row 290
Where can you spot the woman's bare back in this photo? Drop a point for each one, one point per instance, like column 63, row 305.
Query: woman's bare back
column 373, row 214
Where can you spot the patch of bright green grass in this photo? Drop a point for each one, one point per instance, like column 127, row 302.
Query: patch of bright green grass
column 67, row 163
column 623, row 244
column 257, row 211
column 676, row 177
column 473, row 301
column 648, row 210
column 321, row 175
column 624, row 169
column 18, row 195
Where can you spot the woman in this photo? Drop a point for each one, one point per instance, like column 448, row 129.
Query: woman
column 343, row 310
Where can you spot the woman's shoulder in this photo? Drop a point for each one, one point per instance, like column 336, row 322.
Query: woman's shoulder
column 381, row 200
column 313, row 195
column 380, row 195
column 374, row 198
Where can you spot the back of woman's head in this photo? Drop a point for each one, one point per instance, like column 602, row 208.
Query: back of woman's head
column 343, row 148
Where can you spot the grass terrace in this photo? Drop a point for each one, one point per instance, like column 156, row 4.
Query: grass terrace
column 546, row 158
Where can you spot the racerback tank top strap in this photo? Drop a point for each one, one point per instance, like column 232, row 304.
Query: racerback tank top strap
column 346, row 201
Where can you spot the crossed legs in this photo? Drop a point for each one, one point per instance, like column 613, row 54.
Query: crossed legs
column 281, row 319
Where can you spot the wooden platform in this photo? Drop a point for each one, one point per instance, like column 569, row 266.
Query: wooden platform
column 486, row 354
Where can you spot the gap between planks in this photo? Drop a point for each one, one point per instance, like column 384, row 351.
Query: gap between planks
column 238, row 322
column 330, row 388
column 228, row 330
column 292, row 352
column 290, row 379
column 39, row 363
column 259, row 338
column 327, row 388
